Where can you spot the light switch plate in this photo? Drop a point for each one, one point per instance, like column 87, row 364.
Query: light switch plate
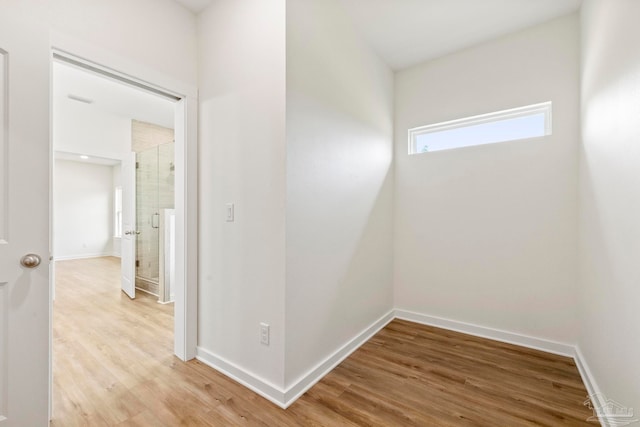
column 229, row 212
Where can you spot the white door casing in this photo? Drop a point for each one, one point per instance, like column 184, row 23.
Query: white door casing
column 129, row 236
column 24, row 220
column 186, row 176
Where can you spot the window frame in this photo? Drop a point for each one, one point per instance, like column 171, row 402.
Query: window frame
column 529, row 110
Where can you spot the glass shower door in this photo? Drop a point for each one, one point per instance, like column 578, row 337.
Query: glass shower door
column 154, row 192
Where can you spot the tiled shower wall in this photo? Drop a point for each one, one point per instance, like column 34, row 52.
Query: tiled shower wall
column 155, row 175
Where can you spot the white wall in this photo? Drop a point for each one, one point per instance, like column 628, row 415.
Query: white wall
column 242, row 161
column 157, row 34
column 487, row 235
column 83, row 210
column 333, row 172
column 339, row 185
column 81, row 128
column 610, row 197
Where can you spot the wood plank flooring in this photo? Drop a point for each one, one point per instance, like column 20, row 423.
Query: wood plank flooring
column 113, row 366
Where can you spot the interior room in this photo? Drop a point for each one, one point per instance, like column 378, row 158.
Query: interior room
column 395, row 213
column 97, row 123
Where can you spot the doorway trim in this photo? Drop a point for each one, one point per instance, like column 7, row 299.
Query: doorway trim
column 95, row 60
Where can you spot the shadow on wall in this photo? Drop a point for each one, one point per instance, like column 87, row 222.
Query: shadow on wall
column 339, row 230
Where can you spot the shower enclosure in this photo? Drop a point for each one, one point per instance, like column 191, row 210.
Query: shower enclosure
column 155, row 172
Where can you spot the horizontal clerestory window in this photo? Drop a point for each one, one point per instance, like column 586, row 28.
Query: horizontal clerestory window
column 532, row 121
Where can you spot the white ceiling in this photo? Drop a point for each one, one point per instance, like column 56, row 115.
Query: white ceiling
column 99, row 128
column 407, row 32
column 109, row 96
column 196, row 6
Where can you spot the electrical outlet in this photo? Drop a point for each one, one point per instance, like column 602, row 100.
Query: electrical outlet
column 264, row 333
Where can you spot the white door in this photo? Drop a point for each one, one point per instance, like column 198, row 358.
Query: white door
column 129, row 226
column 24, row 220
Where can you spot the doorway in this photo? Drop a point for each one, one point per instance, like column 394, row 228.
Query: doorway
column 98, row 123
column 184, row 98
column 181, row 223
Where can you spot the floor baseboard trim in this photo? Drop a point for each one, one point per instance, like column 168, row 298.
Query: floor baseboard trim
column 490, row 333
column 585, row 373
column 284, row 398
column 308, row 380
column 146, row 292
column 251, row 381
column 590, row 383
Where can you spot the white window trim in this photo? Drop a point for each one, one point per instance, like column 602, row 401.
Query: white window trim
column 543, row 107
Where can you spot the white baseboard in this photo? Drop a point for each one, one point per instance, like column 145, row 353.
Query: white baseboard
column 314, row 375
column 263, row 387
column 590, row 383
column 281, row 397
column 146, row 292
column 285, row 397
column 561, row 349
column 82, row 256
column 585, row 373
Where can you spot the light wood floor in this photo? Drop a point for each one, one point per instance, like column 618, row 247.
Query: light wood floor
column 113, row 366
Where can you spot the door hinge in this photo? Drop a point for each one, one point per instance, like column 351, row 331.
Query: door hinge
column 137, row 263
column 137, row 165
